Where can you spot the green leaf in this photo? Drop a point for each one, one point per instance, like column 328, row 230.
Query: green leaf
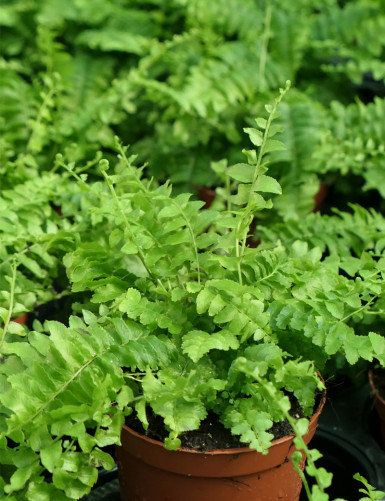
column 256, row 136
column 193, row 287
column 261, row 122
column 17, row 329
column 197, row 343
column 129, row 248
column 206, row 240
column 273, row 145
column 102, row 460
column 220, row 166
column 107, row 292
column 378, row 344
column 170, row 211
column 204, row 299
column 303, row 426
column 32, row 265
column 336, row 308
column 369, row 490
column 335, row 338
column 18, row 479
column 242, row 172
column 251, row 424
column 51, row 455
column 216, row 305
column 242, row 195
column 275, row 129
column 140, row 408
column 267, row 184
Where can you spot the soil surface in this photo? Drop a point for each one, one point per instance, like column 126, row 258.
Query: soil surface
column 211, row 434
column 379, row 381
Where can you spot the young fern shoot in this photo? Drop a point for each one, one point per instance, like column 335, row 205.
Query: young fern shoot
column 252, row 176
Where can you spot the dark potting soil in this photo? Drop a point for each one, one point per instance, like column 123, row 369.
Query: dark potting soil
column 379, row 381
column 211, row 434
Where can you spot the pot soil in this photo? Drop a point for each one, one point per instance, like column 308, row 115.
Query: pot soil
column 149, row 472
column 377, row 382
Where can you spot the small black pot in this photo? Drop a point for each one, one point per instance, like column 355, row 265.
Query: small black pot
column 347, row 436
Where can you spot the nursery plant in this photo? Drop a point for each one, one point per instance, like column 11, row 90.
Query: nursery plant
column 178, row 80
column 356, row 240
column 33, row 238
column 180, row 319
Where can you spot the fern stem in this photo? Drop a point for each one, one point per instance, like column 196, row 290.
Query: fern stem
column 265, row 43
column 73, row 173
column 359, row 309
column 56, row 394
column 140, row 252
column 146, row 190
column 129, row 166
column 11, row 304
column 378, row 312
column 293, row 423
column 39, row 117
column 228, row 193
column 305, row 483
column 237, row 243
column 261, row 153
column 188, row 224
column 14, row 256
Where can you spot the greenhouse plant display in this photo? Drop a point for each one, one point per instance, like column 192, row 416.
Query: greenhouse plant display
column 178, row 80
column 180, row 322
column 33, row 239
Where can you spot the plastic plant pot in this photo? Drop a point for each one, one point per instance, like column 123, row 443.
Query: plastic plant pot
column 147, row 471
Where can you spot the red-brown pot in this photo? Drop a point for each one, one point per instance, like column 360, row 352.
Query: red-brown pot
column 379, row 404
column 22, row 319
column 206, row 195
column 320, row 196
column 149, row 472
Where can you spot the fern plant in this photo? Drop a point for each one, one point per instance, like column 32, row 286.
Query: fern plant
column 346, row 34
column 355, row 242
column 33, row 239
column 179, row 316
column 354, row 145
column 183, row 78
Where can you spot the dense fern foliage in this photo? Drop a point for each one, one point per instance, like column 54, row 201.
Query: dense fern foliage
column 85, row 390
column 355, row 144
column 181, row 77
column 343, row 234
column 179, row 316
column 174, row 311
column 33, row 238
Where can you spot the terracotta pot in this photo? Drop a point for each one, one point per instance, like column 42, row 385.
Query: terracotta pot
column 379, row 404
column 206, row 195
column 22, row 319
column 149, row 472
column 320, row 196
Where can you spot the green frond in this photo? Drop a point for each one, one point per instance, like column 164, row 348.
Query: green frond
column 343, row 234
column 355, row 143
column 347, row 35
column 77, row 387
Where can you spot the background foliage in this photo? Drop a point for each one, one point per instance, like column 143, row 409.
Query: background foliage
column 179, row 80
column 171, row 308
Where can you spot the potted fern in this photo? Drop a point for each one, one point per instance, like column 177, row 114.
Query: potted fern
column 181, row 324
column 33, row 239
